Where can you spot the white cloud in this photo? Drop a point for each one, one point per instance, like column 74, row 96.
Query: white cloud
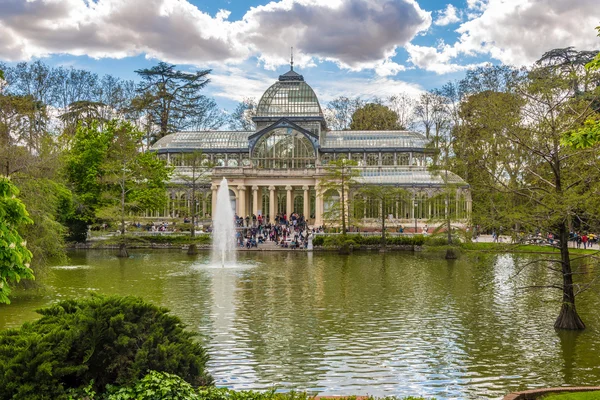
column 438, row 60
column 364, row 87
column 447, row 16
column 237, row 84
column 355, row 34
column 516, row 32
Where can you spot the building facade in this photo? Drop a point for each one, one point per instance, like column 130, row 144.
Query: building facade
column 279, row 167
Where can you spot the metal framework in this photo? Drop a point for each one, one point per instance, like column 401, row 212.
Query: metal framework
column 284, row 148
column 289, row 99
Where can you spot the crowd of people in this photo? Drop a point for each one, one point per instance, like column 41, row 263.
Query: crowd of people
column 292, row 232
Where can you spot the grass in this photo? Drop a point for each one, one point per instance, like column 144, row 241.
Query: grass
column 573, row 396
column 521, row 248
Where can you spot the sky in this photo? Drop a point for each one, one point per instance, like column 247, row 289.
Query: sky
column 342, row 47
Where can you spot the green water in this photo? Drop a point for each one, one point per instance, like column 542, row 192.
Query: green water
column 393, row 324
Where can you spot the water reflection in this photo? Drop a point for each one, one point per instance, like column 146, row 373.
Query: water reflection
column 382, row 324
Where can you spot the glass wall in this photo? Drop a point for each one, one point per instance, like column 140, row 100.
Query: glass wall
column 284, row 148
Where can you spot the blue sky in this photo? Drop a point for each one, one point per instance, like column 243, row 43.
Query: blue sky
column 342, row 47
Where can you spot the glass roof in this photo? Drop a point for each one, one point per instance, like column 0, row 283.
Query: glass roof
column 374, row 139
column 289, row 98
column 204, row 140
column 406, row 176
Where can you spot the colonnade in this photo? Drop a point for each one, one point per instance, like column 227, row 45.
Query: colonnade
column 264, row 199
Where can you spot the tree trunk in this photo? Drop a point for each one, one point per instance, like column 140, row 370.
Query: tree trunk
column 123, row 246
column 343, row 207
column 192, row 249
column 122, row 251
column 383, row 223
column 568, row 317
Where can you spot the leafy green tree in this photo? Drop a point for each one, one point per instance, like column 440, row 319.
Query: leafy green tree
column 197, row 167
column 14, row 255
column 171, row 97
column 588, row 135
column 131, row 179
column 384, row 196
column 556, row 183
column 83, row 169
column 97, row 341
column 340, row 177
column 374, row 117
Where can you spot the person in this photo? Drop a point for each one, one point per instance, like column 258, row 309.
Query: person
column 584, row 240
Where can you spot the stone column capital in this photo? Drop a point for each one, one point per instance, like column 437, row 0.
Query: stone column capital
column 214, row 187
column 241, row 187
column 271, row 187
column 288, row 187
column 255, row 188
column 305, row 187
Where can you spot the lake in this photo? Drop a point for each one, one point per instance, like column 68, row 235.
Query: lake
column 369, row 323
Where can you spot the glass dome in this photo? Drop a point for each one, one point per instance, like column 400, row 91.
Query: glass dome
column 289, row 98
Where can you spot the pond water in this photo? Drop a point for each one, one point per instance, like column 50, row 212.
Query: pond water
column 379, row 324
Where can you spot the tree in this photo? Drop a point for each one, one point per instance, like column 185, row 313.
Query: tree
column 172, row 96
column 83, row 166
column 404, row 106
column 589, row 134
column 197, row 166
column 556, row 182
column 384, row 196
column 339, row 112
column 340, row 177
column 374, row 117
column 14, row 255
column 241, row 117
column 131, row 180
column 208, row 116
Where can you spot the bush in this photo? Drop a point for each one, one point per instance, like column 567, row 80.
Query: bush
column 359, row 240
column 318, row 241
column 161, row 239
column 104, row 340
column 156, row 386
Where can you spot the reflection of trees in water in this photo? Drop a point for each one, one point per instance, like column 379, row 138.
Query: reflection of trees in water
column 359, row 314
column 461, row 329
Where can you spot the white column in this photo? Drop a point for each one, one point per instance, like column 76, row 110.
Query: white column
column 306, row 210
column 272, row 208
column 255, row 200
column 213, row 200
column 288, row 201
column 318, row 206
column 242, row 201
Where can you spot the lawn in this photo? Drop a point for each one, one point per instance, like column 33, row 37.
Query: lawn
column 574, row 396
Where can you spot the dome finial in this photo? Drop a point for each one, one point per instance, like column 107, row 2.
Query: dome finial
column 292, row 59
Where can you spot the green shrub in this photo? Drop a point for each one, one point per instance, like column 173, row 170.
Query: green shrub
column 161, row 239
column 358, row 240
column 156, row 386
column 107, row 340
column 318, row 241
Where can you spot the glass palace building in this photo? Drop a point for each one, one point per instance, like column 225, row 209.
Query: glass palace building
column 278, row 168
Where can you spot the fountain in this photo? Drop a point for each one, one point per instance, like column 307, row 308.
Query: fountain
column 224, row 243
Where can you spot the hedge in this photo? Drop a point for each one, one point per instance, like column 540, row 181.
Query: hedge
column 357, row 240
